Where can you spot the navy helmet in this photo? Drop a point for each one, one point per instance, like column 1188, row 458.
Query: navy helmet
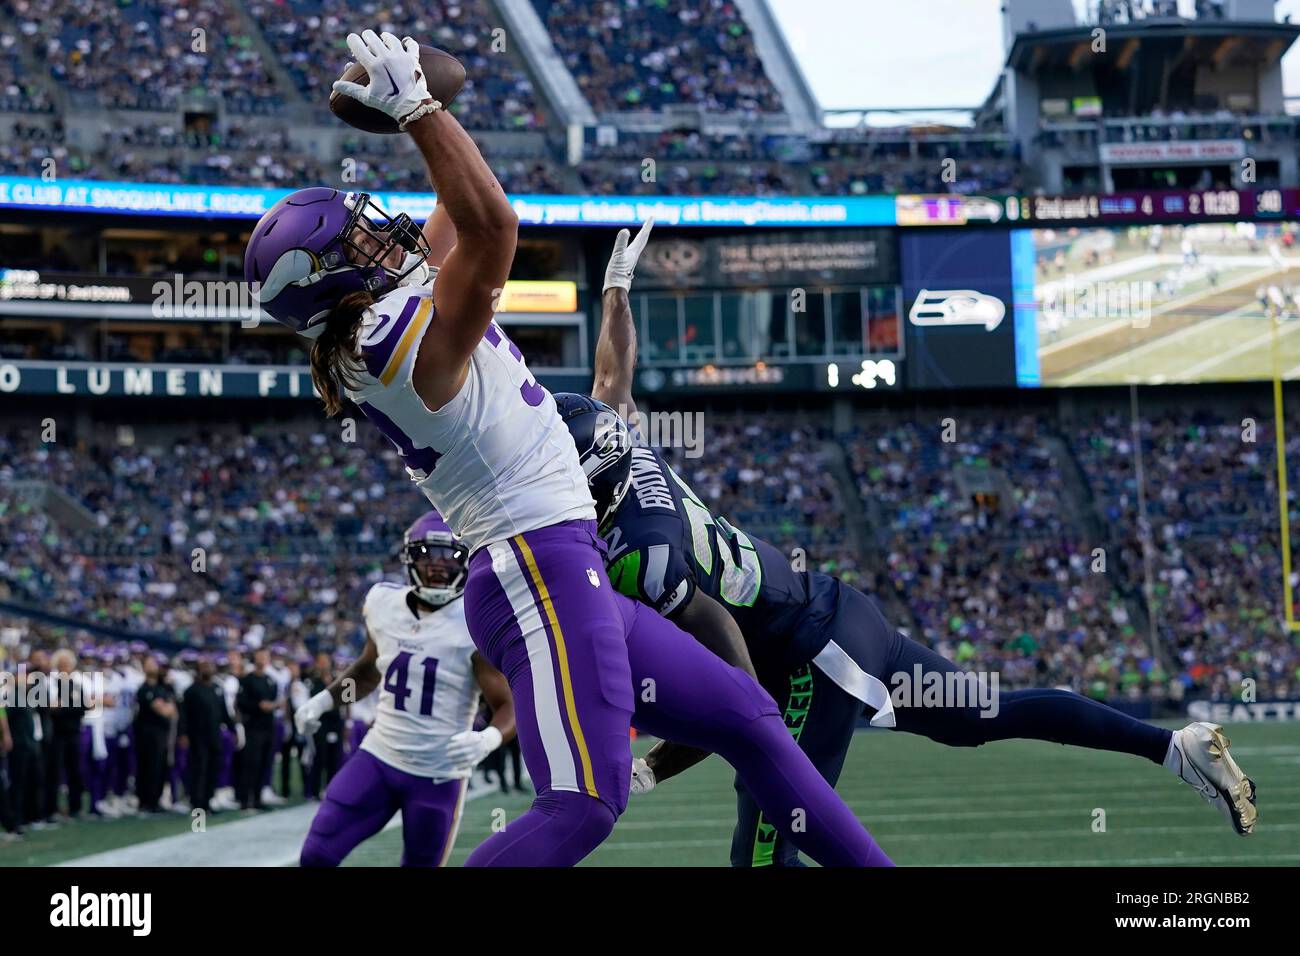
column 604, row 447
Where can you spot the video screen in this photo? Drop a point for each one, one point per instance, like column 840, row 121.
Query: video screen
column 1161, row 304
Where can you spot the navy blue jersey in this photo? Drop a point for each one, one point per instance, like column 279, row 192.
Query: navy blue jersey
column 664, row 545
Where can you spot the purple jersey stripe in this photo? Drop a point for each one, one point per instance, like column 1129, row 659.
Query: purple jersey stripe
column 376, row 354
column 417, row 459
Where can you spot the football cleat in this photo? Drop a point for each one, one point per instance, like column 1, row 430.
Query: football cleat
column 1199, row 755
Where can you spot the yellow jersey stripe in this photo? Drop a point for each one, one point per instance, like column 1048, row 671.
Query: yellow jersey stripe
column 562, row 656
column 409, row 338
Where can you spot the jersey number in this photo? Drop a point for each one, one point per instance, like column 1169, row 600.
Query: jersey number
column 398, row 675
column 739, row 581
column 530, row 391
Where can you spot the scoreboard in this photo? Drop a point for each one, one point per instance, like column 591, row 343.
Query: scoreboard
column 1126, row 208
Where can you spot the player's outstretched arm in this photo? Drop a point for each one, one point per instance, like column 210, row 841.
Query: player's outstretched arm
column 616, row 341
column 709, row 623
column 474, row 272
column 440, row 233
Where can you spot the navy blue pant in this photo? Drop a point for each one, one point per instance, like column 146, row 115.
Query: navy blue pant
column 822, row 716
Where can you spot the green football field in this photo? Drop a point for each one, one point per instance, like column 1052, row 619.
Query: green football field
column 1016, row 802
column 1009, row 803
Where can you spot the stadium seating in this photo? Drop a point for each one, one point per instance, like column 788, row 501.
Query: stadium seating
column 1008, row 586
column 645, row 56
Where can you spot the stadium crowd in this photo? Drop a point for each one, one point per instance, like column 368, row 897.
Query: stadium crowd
column 985, row 557
column 138, row 55
column 976, row 546
column 650, row 54
column 309, row 39
column 1215, row 568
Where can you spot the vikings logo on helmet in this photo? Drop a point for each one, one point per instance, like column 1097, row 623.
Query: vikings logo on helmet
column 317, row 245
column 604, row 448
column 430, row 538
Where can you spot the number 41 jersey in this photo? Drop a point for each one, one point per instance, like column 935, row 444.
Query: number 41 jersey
column 427, row 690
column 664, row 545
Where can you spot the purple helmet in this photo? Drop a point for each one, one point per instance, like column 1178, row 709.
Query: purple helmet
column 430, row 538
column 318, row 244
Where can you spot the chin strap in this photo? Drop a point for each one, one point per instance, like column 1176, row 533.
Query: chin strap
column 415, row 271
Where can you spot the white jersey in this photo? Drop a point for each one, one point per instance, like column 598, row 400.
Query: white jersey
column 180, row 680
column 427, row 690
column 365, row 709
column 496, row 460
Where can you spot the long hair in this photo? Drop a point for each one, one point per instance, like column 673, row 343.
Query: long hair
column 335, row 364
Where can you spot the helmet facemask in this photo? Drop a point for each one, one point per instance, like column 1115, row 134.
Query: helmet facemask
column 395, row 244
column 437, row 566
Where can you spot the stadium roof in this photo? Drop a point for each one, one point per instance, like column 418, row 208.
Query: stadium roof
column 1211, row 42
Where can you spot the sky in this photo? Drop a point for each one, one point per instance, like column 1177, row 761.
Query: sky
column 907, row 53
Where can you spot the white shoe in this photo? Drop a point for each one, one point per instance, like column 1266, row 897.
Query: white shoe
column 106, row 810
column 272, row 799
column 1199, row 755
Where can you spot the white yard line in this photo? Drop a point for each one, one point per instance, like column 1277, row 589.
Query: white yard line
column 274, row 838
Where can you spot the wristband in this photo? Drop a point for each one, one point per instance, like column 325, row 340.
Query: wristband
column 324, row 701
column 493, row 736
column 424, row 109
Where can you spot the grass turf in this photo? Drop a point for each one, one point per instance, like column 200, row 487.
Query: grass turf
column 1009, row 803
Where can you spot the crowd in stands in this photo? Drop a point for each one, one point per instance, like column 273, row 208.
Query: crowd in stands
column 976, row 546
column 19, row 93
column 148, row 55
column 982, row 550
column 648, row 54
column 309, row 38
column 235, row 156
column 1215, row 566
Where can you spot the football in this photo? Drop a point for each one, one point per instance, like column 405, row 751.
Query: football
column 443, row 74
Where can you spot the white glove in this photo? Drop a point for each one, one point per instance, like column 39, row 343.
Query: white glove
column 396, row 82
column 618, row 274
column 307, row 717
column 468, row 747
column 643, row 778
column 240, row 739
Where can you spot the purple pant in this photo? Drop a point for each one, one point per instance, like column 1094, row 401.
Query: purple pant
column 121, row 758
column 94, row 772
column 542, row 611
column 363, row 797
column 226, row 766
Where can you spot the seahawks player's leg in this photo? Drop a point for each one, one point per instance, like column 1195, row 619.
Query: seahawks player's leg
column 688, row 695
column 1197, row 753
column 358, row 803
column 821, row 718
column 541, row 610
column 430, row 820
